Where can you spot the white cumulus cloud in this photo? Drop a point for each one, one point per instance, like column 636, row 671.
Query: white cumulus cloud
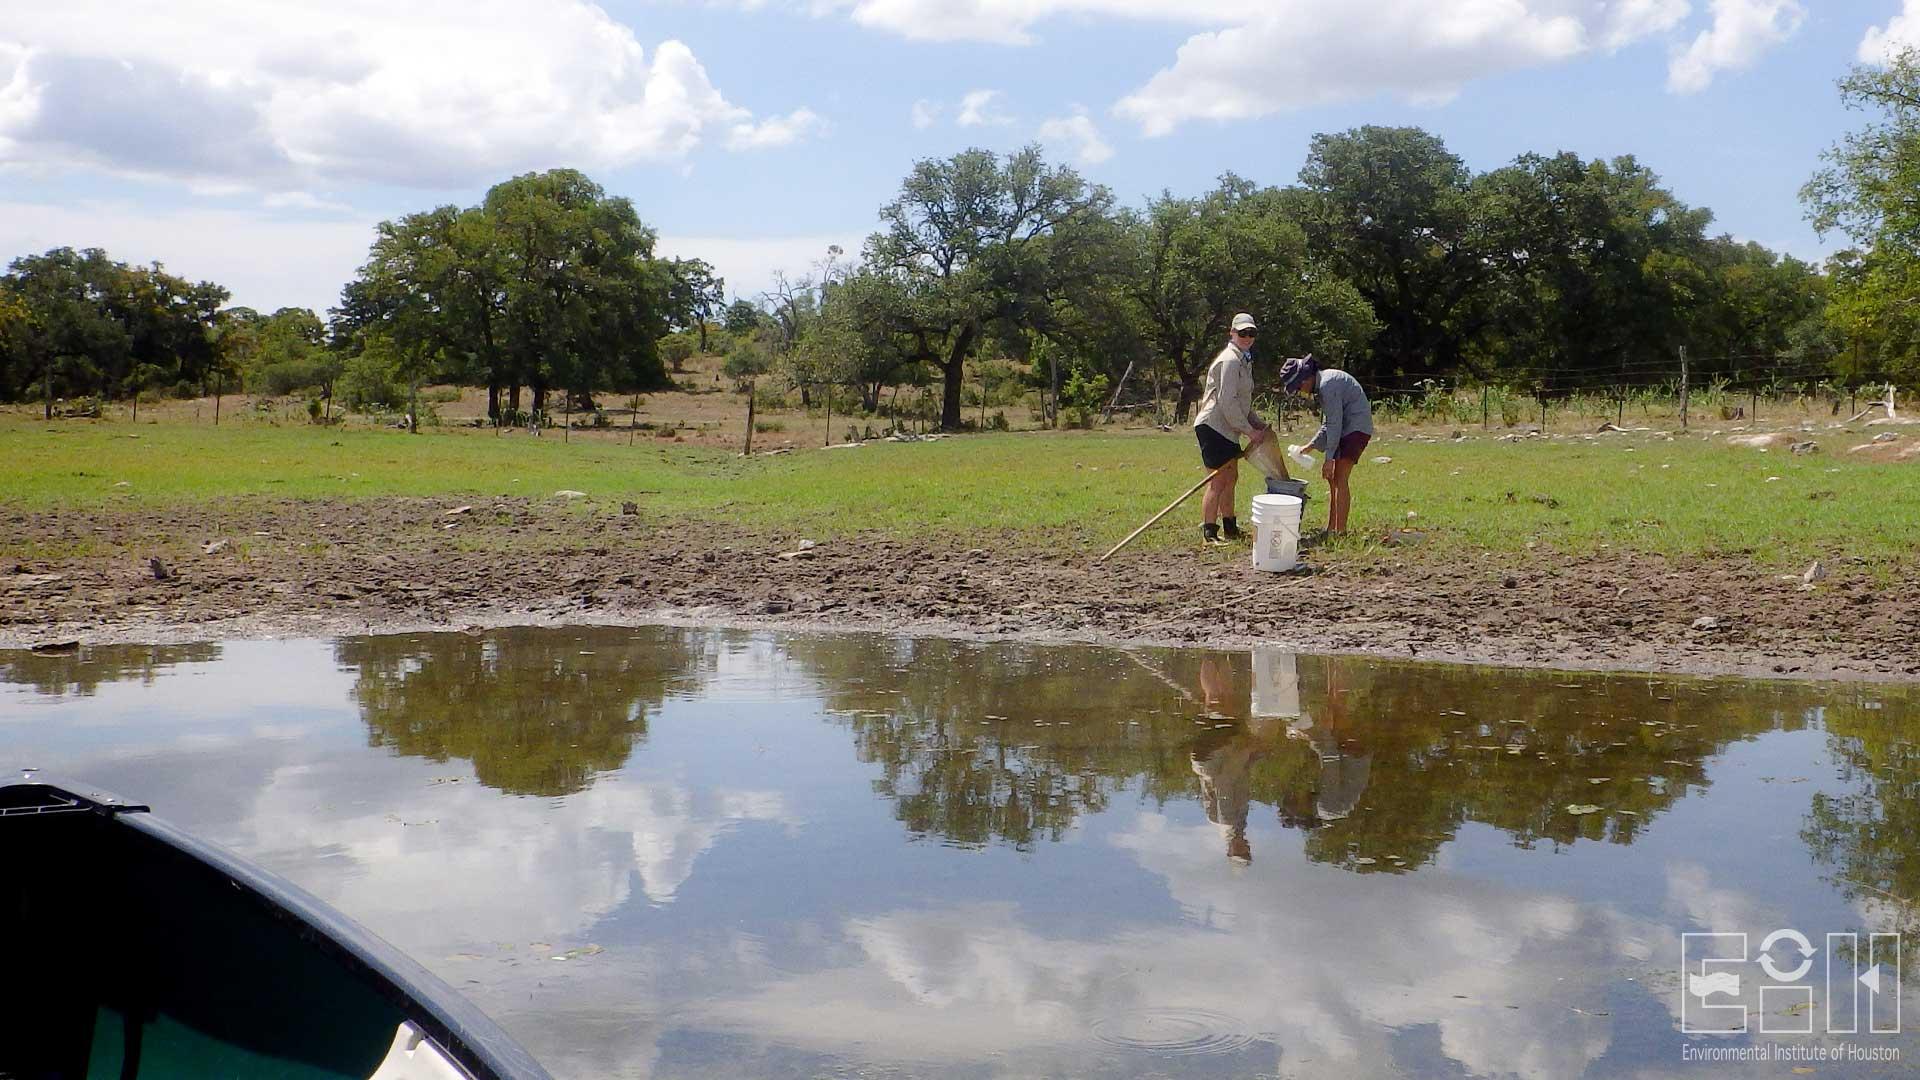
column 1078, row 136
column 924, row 114
column 432, row 93
column 777, row 130
column 1629, row 21
column 1742, row 31
column 977, row 110
column 1881, row 43
column 1420, row 50
column 1244, row 59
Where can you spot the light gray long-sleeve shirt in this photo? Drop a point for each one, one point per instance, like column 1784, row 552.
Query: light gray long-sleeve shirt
column 1343, row 408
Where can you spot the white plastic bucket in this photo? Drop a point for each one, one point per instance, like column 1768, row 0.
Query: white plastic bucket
column 1276, row 683
column 1276, row 532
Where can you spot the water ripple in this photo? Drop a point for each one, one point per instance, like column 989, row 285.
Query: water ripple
column 1173, row 1031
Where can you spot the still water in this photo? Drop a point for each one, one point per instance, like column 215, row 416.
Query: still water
column 699, row 853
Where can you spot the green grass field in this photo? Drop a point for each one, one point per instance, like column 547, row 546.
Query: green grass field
column 1624, row 493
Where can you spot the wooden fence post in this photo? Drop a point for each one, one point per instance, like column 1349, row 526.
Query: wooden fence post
column 1683, row 387
column 1111, row 402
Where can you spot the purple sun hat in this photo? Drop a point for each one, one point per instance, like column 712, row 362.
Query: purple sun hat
column 1297, row 371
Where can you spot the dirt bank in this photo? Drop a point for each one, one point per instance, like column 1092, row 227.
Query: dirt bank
column 256, row 568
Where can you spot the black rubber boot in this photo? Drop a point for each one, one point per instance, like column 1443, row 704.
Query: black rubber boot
column 1230, row 528
column 1210, row 534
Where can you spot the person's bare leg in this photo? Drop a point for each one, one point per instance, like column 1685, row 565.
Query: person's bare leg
column 1218, row 498
column 1228, row 478
column 1340, row 496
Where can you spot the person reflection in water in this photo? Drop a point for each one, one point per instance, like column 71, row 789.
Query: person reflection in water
column 1346, row 762
column 1241, row 730
column 1223, row 757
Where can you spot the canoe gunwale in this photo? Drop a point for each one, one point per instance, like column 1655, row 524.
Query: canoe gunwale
column 436, row 1009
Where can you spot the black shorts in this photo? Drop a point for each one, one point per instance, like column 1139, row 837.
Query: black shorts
column 1215, row 449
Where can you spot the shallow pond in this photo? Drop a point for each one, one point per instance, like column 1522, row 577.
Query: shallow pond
column 671, row 853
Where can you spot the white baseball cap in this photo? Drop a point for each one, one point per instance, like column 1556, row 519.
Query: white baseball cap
column 1243, row 321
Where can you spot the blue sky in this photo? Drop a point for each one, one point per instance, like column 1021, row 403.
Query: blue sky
column 255, row 142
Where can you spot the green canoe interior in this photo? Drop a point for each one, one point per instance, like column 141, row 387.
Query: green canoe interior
column 128, row 958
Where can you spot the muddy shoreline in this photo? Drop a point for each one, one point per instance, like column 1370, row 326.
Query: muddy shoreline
column 255, row 568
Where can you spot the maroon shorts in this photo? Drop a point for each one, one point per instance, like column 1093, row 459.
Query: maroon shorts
column 1351, row 445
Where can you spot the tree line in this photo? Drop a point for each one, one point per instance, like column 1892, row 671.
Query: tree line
column 1388, row 256
column 548, row 285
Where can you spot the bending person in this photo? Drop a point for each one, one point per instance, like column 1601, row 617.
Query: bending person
column 1345, row 429
column 1226, row 413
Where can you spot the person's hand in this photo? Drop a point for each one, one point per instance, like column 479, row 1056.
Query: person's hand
column 1326, row 469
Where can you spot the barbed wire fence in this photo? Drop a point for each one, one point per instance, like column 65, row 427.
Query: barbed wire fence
column 1683, row 391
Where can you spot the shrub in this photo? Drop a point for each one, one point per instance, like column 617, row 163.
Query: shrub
column 426, row 413
column 290, row 376
column 676, row 349
column 441, row 395
column 998, row 422
column 368, row 380
column 769, row 399
column 768, row 427
column 1084, row 390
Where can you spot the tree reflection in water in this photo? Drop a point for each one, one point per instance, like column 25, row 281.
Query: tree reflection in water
column 1868, row 839
column 537, row 711
column 82, row 672
column 1380, row 763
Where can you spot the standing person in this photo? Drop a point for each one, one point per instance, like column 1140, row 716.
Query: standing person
column 1226, row 413
column 1345, row 429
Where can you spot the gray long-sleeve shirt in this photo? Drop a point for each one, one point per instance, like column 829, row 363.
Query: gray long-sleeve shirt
column 1343, row 408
